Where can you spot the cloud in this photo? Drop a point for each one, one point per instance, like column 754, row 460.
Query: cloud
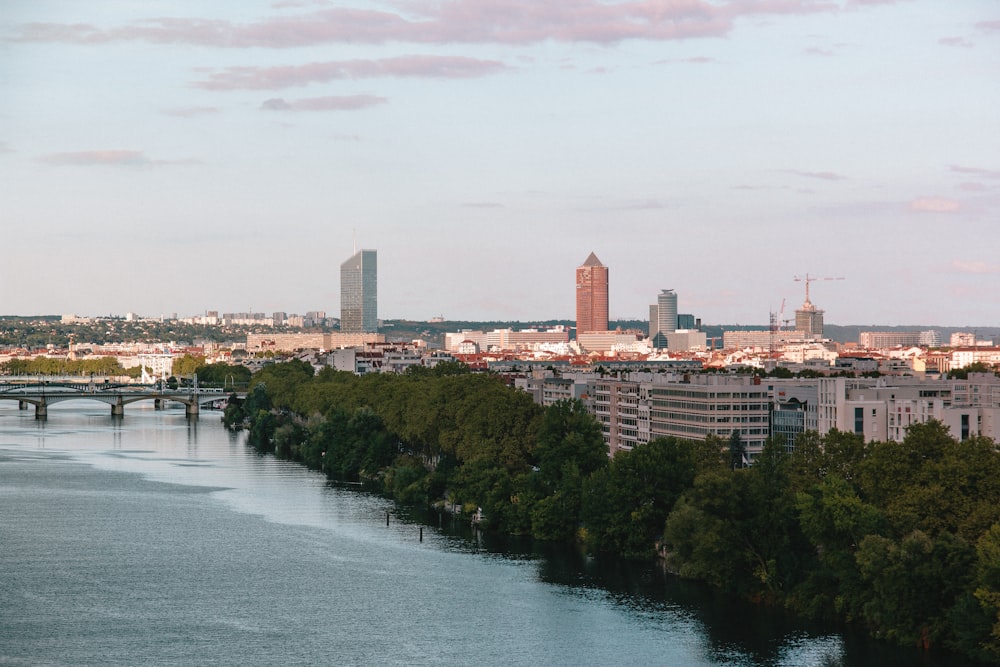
column 482, row 204
column 699, row 60
column 458, row 21
column 5, row 148
column 989, row 26
column 821, row 175
column 955, row 41
column 976, row 267
column 119, row 158
column 975, row 171
column 294, row 4
column 287, row 76
column 110, row 157
column 816, row 51
column 332, row 103
column 190, row 112
column 644, row 205
column 971, row 186
column 935, row 205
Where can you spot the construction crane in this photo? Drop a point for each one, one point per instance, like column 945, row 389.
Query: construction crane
column 808, row 279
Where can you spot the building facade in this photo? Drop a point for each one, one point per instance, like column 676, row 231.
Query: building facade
column 290, row 342
column 359, row 293
column 876, row 340
column 591, row 296
column 712, row 405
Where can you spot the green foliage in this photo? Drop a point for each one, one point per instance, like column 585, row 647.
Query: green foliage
column 974, row 367
column 282, row 379
column 223, row 375
column 569, row 434
column 737, row 451
column 187, row 365
column 102, row 367
column 902, row 538
column 625, row 505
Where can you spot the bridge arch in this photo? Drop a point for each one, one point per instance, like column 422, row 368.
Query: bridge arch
column 44, row 395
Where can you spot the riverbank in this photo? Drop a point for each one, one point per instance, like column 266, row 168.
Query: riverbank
column 839, row 529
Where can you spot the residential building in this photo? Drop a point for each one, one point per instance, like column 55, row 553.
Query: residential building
column 359, row 293
column 289, row 342
column 506, row 339
column 962, row 357
column 606, row 341
column 760, row 339
column 622, row 411
column 685, row 340
column 878, row 340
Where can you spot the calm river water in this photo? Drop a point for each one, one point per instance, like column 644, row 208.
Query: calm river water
column 158, row 540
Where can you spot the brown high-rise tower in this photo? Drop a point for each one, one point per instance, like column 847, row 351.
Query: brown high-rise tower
column 591, row 296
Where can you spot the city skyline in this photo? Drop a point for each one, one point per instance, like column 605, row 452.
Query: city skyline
column 168, row 157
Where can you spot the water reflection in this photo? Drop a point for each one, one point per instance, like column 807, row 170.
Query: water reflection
column 735, row 632
column 322, row 539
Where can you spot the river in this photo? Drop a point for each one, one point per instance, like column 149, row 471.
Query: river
column 158, row 539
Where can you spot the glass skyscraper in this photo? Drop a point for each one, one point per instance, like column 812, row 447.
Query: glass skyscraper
column 359, row 293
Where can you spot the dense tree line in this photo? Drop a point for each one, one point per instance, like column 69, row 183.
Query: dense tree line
column 209, row 375
column 105, row 366
column 903, row 538
column 900, row 538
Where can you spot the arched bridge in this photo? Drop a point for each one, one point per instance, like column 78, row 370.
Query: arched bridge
column 42, row 395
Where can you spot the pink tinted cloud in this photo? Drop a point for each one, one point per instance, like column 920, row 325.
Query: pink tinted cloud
column 118, row 158
column 191, row 112
column 820, row 175
column 955, row 41
column 971, row 186
column 989, row 26
column 975, row 171
column 287, row 76
column 976, row 267
column 457, row 21
column 935, row 205
column 295, row 4
column 332, row 103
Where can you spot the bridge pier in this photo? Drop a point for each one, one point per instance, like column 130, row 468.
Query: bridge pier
column 118, row 408
column 22, row 405
column 191, row 409
column 41, row 410
column 157, row 403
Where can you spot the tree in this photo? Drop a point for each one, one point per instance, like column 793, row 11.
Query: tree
column 568, row 433
column 737, row 451
column 974, row 367
column 187, row 365
column 626, row 504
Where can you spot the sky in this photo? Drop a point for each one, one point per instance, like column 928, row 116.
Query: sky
column 163, row 157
